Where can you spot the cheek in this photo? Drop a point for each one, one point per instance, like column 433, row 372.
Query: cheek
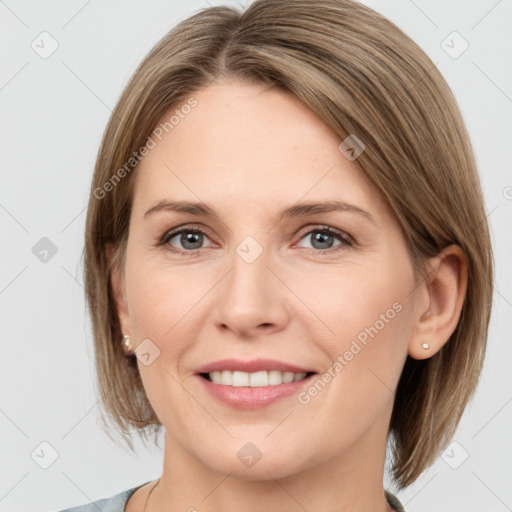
column 160, row 302
column 349, row 299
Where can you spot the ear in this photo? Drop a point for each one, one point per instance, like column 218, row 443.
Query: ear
column 119, row 292
column 446, row 289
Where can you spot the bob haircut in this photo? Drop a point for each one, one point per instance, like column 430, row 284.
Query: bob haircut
column 362, row 76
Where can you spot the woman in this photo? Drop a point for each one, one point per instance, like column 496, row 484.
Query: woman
column 287, row 261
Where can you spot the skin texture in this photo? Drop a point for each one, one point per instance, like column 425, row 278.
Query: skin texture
column 248, row 151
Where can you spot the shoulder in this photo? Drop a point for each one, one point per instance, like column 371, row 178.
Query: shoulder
column 115, row 503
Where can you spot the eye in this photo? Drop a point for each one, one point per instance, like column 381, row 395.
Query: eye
column 322, row 240
column 187, row 240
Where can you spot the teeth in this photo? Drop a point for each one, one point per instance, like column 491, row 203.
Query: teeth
column 257, row 379
column 254, row 380
column 238, row 378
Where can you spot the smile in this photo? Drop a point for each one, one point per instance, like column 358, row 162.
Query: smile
column 252, row 384
column 254, row 380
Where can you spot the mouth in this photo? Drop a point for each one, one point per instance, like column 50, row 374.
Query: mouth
column 258, row 379
column 253, row 384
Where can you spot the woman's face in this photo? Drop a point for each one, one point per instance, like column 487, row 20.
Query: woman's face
column 255, row 285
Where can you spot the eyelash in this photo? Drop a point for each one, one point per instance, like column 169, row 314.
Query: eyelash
column 345, row 239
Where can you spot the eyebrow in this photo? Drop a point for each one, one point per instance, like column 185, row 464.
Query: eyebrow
column 296, row 210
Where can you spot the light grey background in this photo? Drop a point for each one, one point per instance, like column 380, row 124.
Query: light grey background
column 53, row 113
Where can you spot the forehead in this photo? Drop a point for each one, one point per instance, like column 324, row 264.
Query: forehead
column 252, row 146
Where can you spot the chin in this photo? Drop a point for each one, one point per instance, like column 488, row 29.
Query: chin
column 258, row 460
column 261, row 471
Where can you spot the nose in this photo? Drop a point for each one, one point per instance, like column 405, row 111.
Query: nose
column 251, row 299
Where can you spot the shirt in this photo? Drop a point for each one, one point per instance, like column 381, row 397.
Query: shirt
column 117, row 502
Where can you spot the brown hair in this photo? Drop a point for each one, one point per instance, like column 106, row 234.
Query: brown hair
column 362, row 75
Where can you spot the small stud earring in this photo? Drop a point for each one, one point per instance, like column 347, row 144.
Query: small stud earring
column 127, row 344
column 425, row 345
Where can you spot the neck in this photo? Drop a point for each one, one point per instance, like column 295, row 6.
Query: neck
column 351, row 480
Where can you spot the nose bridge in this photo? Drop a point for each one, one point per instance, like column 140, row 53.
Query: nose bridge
column 249, row 284
column 251, row 295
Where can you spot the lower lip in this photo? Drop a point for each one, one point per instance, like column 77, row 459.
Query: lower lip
column 246, row 397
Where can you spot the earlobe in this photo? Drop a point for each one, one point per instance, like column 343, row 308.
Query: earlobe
column 446, row 287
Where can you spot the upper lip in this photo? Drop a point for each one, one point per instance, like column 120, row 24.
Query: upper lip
column 254, row 365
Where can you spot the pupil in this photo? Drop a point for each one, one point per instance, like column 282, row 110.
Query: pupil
column 191, row 238
column 321, row 238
